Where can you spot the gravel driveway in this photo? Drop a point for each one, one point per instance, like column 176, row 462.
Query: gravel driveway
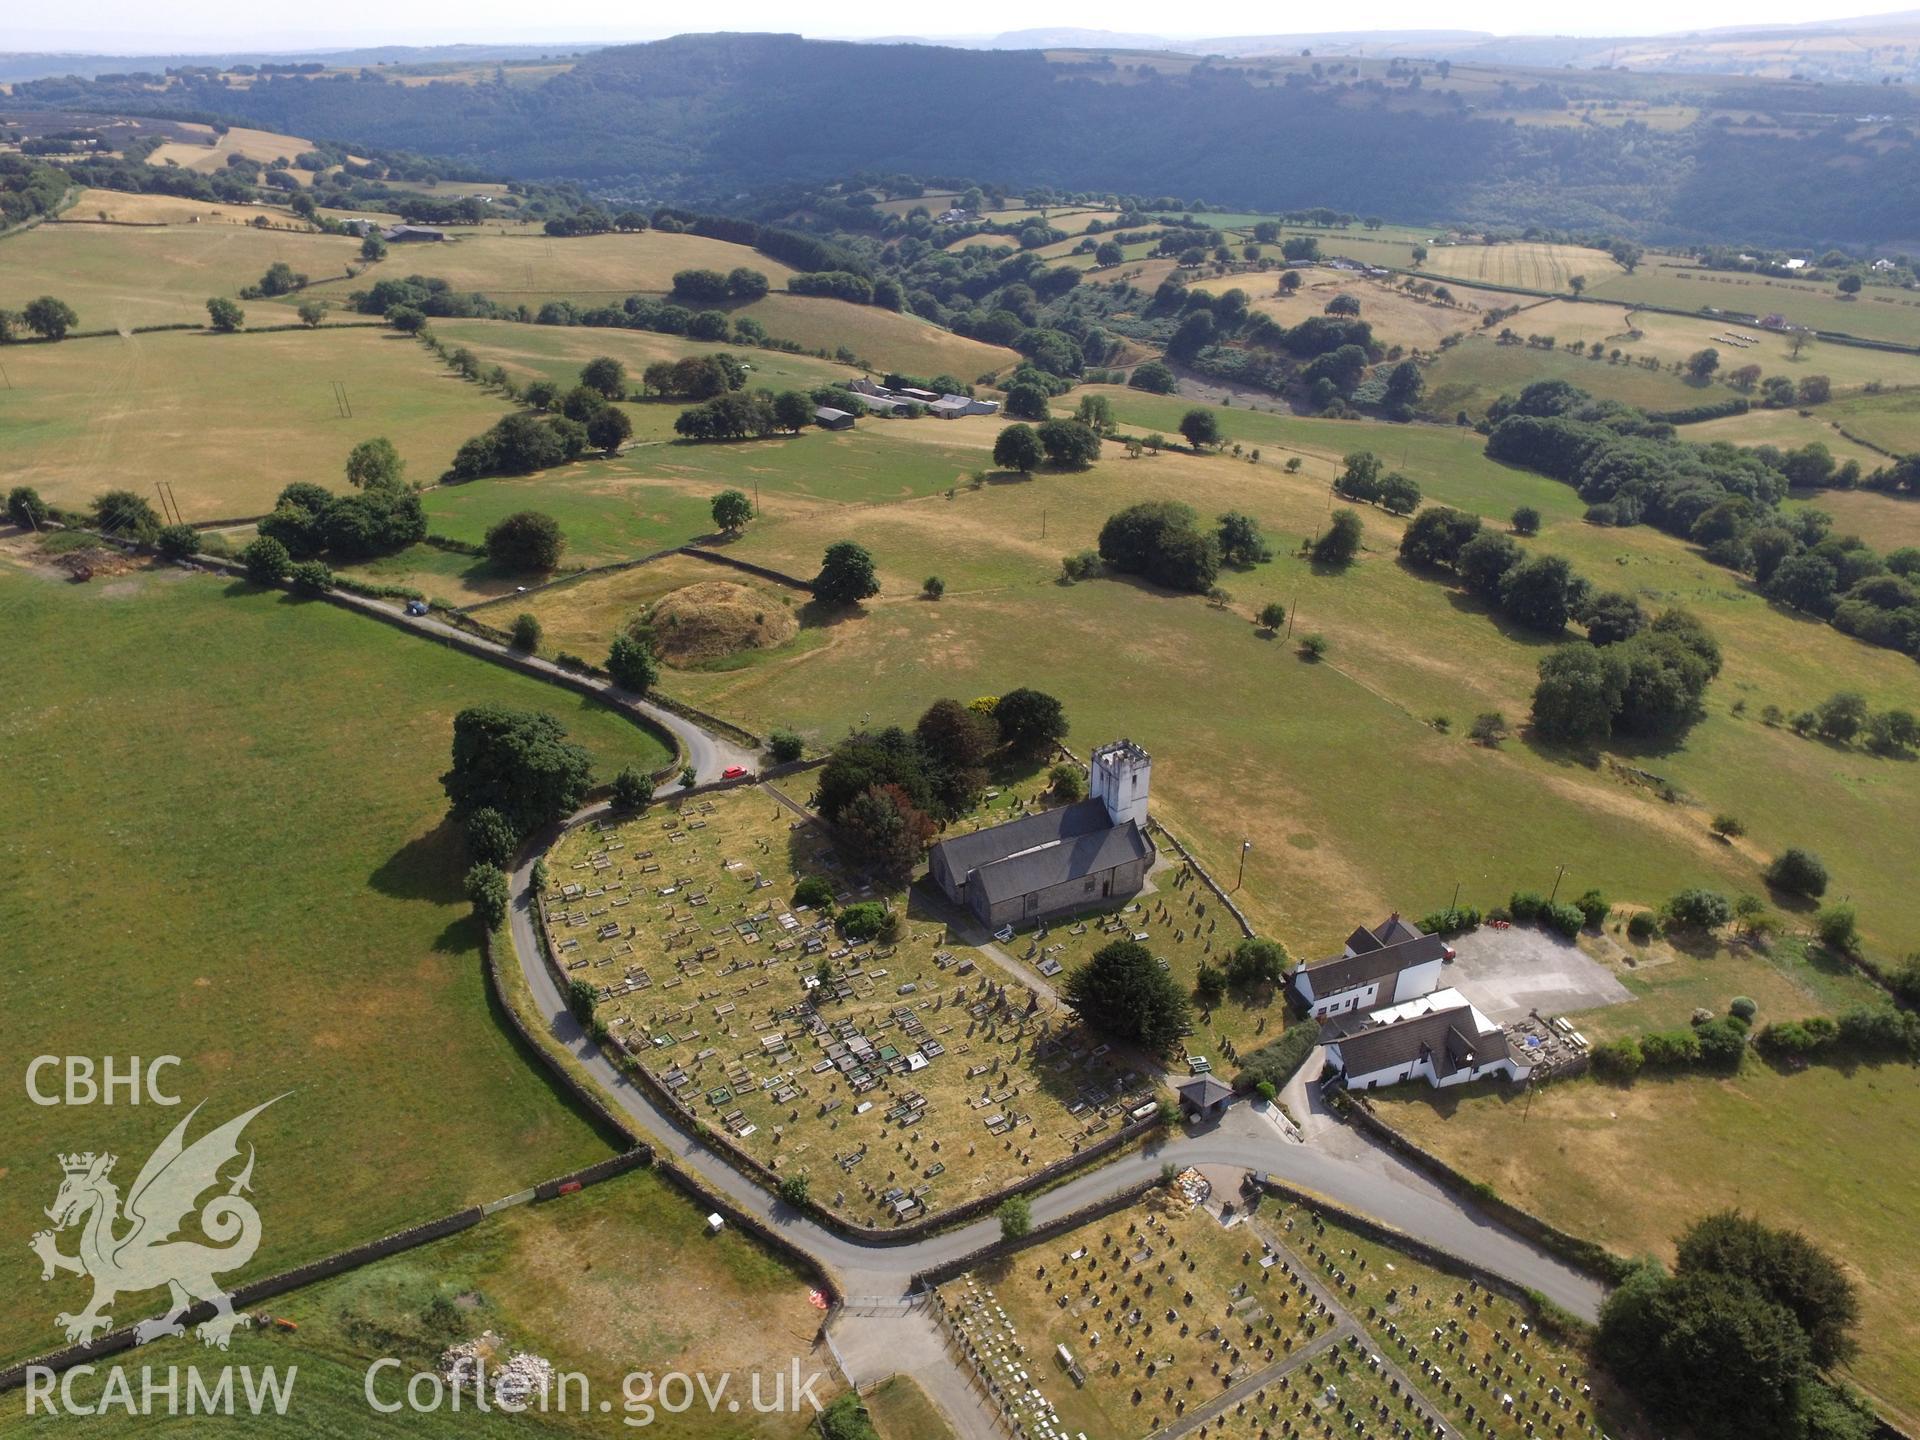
column 1510, row 972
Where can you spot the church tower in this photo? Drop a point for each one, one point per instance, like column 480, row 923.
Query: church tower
column 1121, row 772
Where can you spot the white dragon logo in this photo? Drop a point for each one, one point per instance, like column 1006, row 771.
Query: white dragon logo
column 145, row 1256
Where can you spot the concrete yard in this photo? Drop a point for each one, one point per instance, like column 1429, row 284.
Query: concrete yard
column 1510, row 972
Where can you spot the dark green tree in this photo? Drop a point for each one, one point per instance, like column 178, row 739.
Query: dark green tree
column 632, row 665
column 519, row 762
column 1031, row 722
column 1018, row 448
column 1123, row 992
column 525, row 540
column 847, row 574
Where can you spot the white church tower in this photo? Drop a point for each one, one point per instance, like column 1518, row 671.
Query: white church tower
column 1121, row 772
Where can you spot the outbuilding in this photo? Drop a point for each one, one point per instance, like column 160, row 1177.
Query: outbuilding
column 828, row 418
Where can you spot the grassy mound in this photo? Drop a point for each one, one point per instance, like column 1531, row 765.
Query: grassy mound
column 713, row 619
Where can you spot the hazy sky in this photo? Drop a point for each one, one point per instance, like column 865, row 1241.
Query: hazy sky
column 138, row 26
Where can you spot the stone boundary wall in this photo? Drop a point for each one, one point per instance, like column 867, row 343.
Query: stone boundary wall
column 1002, row 1249
column 1219, row 891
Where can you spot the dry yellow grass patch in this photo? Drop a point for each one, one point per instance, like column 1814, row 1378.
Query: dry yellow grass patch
column 261, row 145
column 175, row 210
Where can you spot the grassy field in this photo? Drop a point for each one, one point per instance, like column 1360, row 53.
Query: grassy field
column 1526, row 265
column 595, row 268
column 262, row 145
column 618, row 1279
column 556, row 353
column 242, row 861
column 1891, row 420
column 228, row 420
column 117, row 277
column 1287, row 756
column 1397, row 318
column 681, row 919
column 127, row 207
column 1885, row 521
column 1473, row 374
column 884, row 338
column 1878, row 313
column 1788, row 430
column 1813, row 1150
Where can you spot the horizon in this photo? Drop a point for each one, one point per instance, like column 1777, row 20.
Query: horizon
column 118, row 32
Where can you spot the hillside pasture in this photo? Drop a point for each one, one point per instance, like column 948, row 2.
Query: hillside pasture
column 887, row 339
column 595, row 269
column 229, row 846
column 1890, row 420
column 129, row 208
column 1406, row 649
column 1879, row 312
column 1473, row 374
column 228, row 420
column 1885, row 522
column 118, row 277
column 261, row 145
column 1397, row 318
column 1522, row 265
column 1786, row 430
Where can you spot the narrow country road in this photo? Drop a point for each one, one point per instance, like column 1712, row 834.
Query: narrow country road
column 710, row 755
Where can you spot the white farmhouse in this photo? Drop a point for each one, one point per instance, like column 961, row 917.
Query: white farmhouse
column 1391, row 963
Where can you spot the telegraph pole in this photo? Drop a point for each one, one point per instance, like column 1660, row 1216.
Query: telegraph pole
column 1245, row 845
column 1558, row 872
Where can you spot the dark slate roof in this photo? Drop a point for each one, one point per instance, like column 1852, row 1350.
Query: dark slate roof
column 1450, row 1035
column 1390, row 931
column 1345, row 972
column 997, row 842
column 1055, row 862
column 1205, row 1091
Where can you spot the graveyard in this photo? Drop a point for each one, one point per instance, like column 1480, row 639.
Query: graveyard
column 901, row 1074
column 1272, row 1322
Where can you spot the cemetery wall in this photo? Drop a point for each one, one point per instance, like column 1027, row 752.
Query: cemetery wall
column 1060, row 1225
column 1595, row 1259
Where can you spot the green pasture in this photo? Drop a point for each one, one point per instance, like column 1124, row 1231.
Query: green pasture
column 1879, row 312
column 117, row 276
column 227, row 420
column 229, row 846
column 1476, row 372
column 1890, row 420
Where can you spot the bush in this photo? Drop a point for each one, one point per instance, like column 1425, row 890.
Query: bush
column 1670, row 1049
column 632, row 789
column 785, row 746
column 1699, row 910
column 1314, row 647
column 1276, row 1062
column 863, row 921
column 266, row 560
column 526, row 632
column 526, row 540
column 814, row 891
column 1067, row 782
column 310, row 577
column 1798, row 872
column 1723, row 1043
column 1455, row 920
column 1836, row 927
column 1619, row 1058
column 1084, row 566
column 1565, row 919
column 1593, row 907
column 486, row 887
column 177, row 542
column 1210, row 985
column 1742, row 1007
column 1526, row 907
column 1797, row 1039
column 1641, row 925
